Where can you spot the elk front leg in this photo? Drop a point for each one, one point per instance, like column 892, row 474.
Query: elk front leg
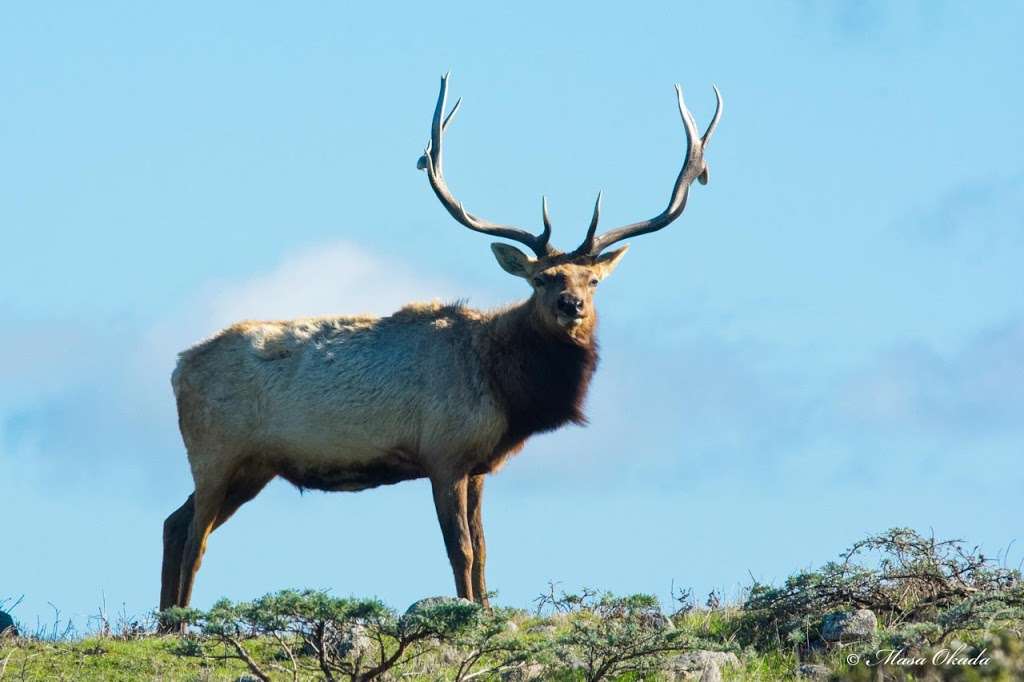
column 450, row 500
column 476, row 532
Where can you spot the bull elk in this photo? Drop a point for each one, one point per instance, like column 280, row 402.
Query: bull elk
column 437, row 391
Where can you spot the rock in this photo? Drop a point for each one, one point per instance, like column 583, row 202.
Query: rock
column 429, row 602
column 247, row 678
column 523, row 673
column 353, row 640
column 693, row 664
column 7, row 624
column 712, row 673
column 848, row 625
column 413, row 616
column 510, row 626
column 813, row 671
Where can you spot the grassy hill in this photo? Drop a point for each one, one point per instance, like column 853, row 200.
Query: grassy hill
column 895, row 606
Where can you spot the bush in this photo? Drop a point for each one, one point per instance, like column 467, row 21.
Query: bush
column 605, row 636
column 918, row 586
column 354, row 639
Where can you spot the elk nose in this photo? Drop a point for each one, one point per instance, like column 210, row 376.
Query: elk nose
column 570, row 305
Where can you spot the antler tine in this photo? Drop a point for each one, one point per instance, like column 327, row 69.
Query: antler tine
column 714, row 120
column 451, row 114
column 432, row 162
column 703, row 177
column 588, row 241
column 546, row 234
column 694, row 167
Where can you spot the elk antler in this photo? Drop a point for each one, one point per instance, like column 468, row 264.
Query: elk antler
column 431, row 161
column 694, row 167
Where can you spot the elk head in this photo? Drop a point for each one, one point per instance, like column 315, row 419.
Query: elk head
column 564, row 282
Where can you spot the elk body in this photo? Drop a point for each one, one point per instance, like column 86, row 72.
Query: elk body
column 443, row 392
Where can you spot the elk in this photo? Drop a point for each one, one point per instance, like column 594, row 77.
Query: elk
column 437, row 391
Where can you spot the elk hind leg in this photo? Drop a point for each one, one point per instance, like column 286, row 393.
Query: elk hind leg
column 176, row 529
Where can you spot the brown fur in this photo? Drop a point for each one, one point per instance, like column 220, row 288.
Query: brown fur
column 541, row 379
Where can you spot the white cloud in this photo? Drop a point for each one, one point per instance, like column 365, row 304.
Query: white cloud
column 336, row 278
column 85, row 396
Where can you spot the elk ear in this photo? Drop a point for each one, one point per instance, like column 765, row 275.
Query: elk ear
column 512, row 260
column 607, row 262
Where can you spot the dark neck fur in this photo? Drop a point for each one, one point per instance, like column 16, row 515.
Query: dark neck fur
column 540, row 377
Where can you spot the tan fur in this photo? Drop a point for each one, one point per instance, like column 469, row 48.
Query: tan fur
column 333, row 391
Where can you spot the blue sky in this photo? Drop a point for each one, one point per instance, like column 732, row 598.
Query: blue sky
column 830, row 342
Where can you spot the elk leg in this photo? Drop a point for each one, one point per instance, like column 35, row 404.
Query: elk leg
column 450, row 501
column 175, row 533
column 179, row 524
column 476, row 531
column 207, row 508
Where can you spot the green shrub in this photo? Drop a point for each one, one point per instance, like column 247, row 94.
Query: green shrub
column 922, row 587
column 605, row 637
column 354, row 639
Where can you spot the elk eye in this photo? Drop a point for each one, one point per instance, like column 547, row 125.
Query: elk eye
column 593, row 282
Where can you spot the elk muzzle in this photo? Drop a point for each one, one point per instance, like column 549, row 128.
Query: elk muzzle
column 570, row 309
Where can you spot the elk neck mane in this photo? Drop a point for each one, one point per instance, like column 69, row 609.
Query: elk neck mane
column 539, row 377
